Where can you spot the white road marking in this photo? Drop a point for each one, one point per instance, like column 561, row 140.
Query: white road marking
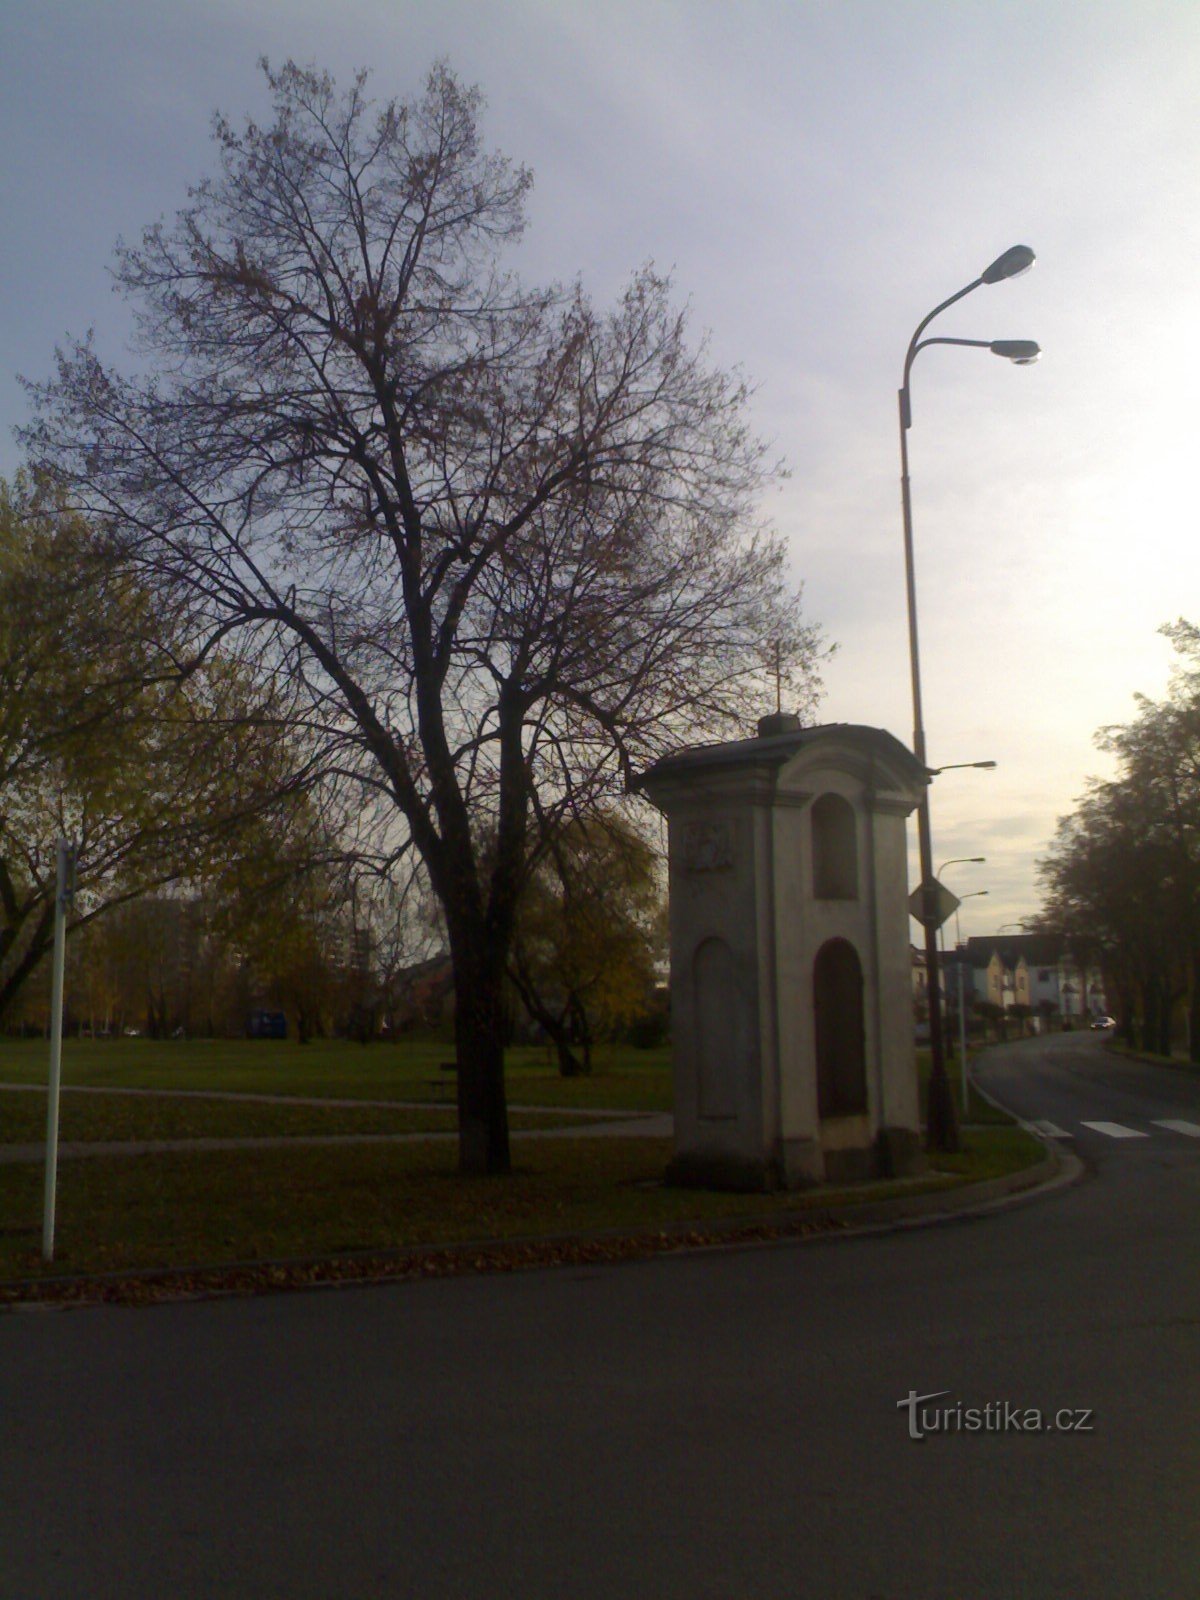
column 1051, row 1130
column 1116, row 1130
column 1176, row 1125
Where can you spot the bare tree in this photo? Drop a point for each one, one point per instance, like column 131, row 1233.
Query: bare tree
column 504, row 543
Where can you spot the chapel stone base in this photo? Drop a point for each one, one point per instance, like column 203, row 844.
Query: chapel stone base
column 901, row 1154
column 799, row 1164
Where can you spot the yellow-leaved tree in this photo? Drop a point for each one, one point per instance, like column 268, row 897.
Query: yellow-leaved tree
column 588, row 932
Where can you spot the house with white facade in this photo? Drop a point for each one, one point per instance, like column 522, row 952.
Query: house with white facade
column 1037, row 971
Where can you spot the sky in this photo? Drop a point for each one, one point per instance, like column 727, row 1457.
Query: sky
column 817, row 175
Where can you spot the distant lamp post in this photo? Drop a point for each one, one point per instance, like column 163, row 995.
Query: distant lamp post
column 965, row 861
column 960, row 962
column 974, row 895
column 943, row 1130
column 954, row 861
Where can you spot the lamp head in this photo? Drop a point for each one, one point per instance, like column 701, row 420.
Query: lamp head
column 1023, row 352
column 1013, row 262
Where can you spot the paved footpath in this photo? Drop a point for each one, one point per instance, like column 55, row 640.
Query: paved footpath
column 595, row 1122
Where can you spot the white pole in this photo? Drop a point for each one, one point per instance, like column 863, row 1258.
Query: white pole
column 962, row 1029
column 62, row 893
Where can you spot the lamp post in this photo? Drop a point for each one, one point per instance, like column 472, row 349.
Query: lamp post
column 953, row 862
column 974, row 861
column 942, row 1128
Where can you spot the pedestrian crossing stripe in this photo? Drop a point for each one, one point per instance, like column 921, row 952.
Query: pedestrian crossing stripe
column 1115, row 1130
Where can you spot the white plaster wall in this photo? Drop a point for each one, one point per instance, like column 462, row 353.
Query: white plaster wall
column 716, row 903
column 875, row 923
column 797, row 1084
column 820, row 921
column 761, row 904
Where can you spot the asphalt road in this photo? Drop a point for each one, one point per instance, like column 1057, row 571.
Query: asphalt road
column 721, row 1425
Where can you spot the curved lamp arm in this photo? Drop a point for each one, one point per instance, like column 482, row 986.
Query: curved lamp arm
column 1015, row 260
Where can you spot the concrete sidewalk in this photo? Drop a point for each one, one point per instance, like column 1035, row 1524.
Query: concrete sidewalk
column 594, row 1122
column 637, row 1126
column 256, row 1098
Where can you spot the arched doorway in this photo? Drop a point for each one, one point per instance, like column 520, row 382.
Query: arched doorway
column 840, row 1035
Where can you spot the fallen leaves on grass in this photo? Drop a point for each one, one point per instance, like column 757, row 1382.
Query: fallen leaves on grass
column 152, row 1288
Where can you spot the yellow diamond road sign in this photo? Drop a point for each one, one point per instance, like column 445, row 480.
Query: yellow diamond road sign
column 932, row 904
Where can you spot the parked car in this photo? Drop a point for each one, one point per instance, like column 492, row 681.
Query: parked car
column 1099, row 1024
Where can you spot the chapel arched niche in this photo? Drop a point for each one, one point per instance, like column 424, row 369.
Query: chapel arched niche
column 840, row 1033
column 834, row 849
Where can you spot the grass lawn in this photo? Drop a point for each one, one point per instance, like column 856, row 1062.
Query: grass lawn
column 214, row 1207
column 625, row 1078
column 94, row 1118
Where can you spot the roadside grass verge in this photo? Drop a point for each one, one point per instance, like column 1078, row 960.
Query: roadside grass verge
column 1131, row 1052
column 991, row 1152
column 977, row 1112
column 622, row 1077
column 214, row 1208
column 117, row 1118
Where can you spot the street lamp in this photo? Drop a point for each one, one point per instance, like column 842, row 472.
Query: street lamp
column 974, row 895
column 954, row 861
column 962, row 991
column 943, row 1132
column 960, row 766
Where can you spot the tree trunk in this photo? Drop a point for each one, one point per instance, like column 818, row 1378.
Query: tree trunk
column 479, row 1047
column 1149, row 1015
column 1165, row 1009
column 1125, row 1014
column 556, row 1027
column 583, row 1030
column 569, row 1064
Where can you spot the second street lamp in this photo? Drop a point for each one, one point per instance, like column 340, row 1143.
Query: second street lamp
column 960, row 962
column 942, row 1124
column 956, row 861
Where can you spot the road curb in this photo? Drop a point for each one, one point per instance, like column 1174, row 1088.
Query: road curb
column 864, row 1219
